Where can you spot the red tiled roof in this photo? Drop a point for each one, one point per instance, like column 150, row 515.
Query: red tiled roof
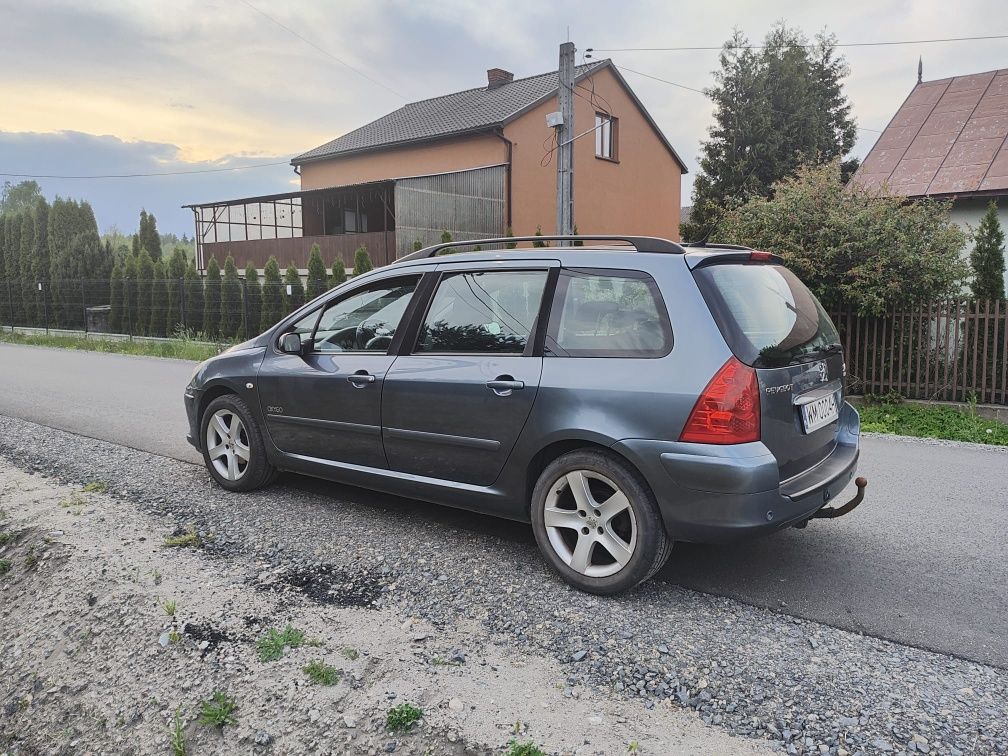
column 949, row 137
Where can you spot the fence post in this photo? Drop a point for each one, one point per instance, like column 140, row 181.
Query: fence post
column 10, row 303
column 182, row 305
column 245, row 309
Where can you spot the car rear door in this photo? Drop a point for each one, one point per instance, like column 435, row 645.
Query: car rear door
column 455, row 402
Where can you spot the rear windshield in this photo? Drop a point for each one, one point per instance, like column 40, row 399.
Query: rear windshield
column 767, row 316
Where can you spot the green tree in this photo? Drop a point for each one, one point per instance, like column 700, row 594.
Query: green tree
column 12, row 264
column 130, row 301
column 316, row 273
column 212, row 299
column 446, row 237
column 145, row 277
column 510, row 233
column 116, row 305
column 272, row 296
column 539, row 243
column 158, row 325
column 292, row 284
column 26, row 271
column 148, row 236
column 338, row 275
column 417, row 245
column 40, row 257
column 23, row 195
column 777, row 106
column 175, row 272
column 192, row 308
column 135, row 245
column 231, row 300
column 831, row 236
column 253, row 302
column 362, row 261
column 988, row 257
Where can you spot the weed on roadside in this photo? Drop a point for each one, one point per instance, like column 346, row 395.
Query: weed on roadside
column 5, row 566
column 402, row 717
column 188, row 538
column 31, row 558
column 174, row 636
column 7, row 537
column 156, row 577
column 177, row 742
column 320, row 673
column 96, row 486
column 271, row 645
column 169, row 606
column 350, row 653
column 73, row 503
column 217, row 711
column 528, row 748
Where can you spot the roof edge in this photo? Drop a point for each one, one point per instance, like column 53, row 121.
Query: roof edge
column 488, row 129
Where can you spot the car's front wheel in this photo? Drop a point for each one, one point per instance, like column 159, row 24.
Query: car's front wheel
column 233, row 447
column 597, row 523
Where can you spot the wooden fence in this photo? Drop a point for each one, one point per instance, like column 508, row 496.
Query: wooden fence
column 949, row 351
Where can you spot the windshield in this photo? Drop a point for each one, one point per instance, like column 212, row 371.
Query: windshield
column 766, row 315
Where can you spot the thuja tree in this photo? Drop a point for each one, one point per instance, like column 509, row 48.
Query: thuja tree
column 252, row 313
column 988, row 257
column 129, row 300
column 272, row 296
column 362, row 261
column 338, row 275
column 175, row 273
column 159, row 301
column 116, row 304
column 144, row 277
column 293, row 289
column 316, row 273
column 231, row 300
column 212, row 299
column 193, row 306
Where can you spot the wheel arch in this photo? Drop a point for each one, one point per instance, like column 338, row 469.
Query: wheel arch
column 211, row 392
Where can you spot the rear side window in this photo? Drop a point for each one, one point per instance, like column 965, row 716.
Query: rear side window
column 767, row 316
column 608, row 313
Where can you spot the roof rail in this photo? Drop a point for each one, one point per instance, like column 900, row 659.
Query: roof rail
column 716, row 245
column 639, row 243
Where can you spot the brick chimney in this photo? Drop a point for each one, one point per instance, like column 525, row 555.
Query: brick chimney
column 498, row 77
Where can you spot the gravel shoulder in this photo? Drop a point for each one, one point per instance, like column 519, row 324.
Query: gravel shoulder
column 689, row 672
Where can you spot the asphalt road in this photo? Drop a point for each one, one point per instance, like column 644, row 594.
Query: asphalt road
column 923, row 561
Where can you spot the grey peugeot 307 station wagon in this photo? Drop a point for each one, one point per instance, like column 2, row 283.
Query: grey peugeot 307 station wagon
column 618, row 397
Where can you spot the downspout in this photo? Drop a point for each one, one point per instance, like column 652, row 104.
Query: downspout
column 499, row 133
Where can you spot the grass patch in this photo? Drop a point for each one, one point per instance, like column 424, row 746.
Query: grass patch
column 185, row 348
column 169, row 606
column 892, row 415
column 402, row 717
column 177, row 742
column 217, row 711
column 514, row 748
column 320, row 673
column 96, row 486
column 5, row 566
column 350, row 653
column 7, row 537
column 272, row 645
column 186, row 539
column 31, row 558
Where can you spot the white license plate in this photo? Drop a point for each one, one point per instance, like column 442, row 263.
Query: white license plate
column 819, row 413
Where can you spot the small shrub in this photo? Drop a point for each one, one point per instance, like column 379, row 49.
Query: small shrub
column 320, row 673
column 169, row 607
column 96, row 486
column 217, row 711
column 271, row 645
column 189, row 539
column 174, row 636
column 350, row 653
column 31, row 558
column 177, row 742
column 5, row 566
column 7, row 537
column 402, row 717
column 362, row 261
column 523, row 749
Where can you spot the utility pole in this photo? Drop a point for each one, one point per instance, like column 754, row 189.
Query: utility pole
column 565, row 144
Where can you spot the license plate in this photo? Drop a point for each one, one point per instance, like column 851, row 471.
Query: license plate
column 819, row 413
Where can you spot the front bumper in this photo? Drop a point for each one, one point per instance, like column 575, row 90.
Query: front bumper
column 712, row 494
column 192, row 401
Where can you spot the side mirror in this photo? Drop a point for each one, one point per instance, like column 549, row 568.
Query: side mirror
column 290, row 343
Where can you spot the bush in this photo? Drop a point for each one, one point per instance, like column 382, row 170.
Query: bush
column 316, row 273
column 338, row 275
column 144, row 277
column 362, row 262
column 212, row 299
column 253, row 302
column 292, row 280
column 272, row 295
column 539, row 243
column 159, row 301
column 175, row 272
column 510, row 233
column 130, row 309
column 988, row 257
column 231, row 300
column 116, row 312
column 193, row 305
column 850, row 245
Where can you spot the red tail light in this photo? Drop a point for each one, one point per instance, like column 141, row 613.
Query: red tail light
column 728, row 410
column 757, row 256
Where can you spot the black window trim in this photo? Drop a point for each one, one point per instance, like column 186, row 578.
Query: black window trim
column 562, row 286
column 534, row 343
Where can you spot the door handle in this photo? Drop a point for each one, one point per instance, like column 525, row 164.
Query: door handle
column 361, row 379
column 503, row 385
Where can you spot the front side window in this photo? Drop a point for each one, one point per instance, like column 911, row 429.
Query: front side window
column 606, row 128
column 608, row 314
column 484, row 312
column 364, row 321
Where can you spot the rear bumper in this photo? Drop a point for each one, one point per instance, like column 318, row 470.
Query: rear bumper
column 714, row 494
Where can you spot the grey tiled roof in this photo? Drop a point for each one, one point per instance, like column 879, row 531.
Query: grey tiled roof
column 472, row 110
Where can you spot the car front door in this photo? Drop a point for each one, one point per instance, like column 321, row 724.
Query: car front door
column 454, row 404
column 326, row 402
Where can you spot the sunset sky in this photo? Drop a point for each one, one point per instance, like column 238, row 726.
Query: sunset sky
column 152, row 87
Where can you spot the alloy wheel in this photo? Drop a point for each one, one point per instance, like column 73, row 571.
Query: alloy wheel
column 590, row 523
column 227, row 444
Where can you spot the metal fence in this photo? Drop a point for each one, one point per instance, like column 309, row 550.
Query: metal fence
column 948, row 351
column 159, row 308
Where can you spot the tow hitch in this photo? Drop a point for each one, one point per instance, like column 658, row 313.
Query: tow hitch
column 830, row 512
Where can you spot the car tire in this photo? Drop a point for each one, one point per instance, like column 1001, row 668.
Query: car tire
column 232, row 441
column 592, row 503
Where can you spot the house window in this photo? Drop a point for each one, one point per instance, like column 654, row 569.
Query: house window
column 606, row 132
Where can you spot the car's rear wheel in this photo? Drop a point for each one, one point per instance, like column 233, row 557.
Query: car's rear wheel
column 597, row 522
column 233, row 448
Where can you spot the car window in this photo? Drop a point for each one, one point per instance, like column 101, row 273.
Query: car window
column 479, row 311
column 363, row 321
column 608, row 314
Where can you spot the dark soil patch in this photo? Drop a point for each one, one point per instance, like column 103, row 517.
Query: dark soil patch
column 329, row 584
column 204, row 631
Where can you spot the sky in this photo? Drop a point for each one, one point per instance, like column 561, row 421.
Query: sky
column 134, row 86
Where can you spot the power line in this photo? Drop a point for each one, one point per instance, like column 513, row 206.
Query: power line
column 700, row 91
column 323, row 50
column 761, row 47
column 145, row 175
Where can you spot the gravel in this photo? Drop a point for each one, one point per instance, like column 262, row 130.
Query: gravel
column 806, row 687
